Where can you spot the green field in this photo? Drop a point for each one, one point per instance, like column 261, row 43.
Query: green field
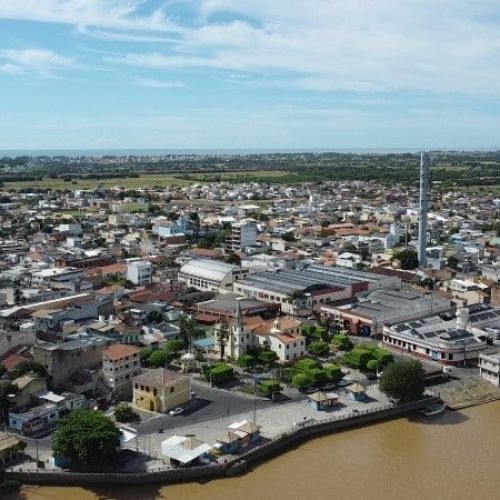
column 145, row 181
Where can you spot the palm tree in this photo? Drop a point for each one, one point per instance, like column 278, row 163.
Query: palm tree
column 186, row 329
column 222, row 337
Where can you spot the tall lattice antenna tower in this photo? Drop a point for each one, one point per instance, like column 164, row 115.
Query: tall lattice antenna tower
column 425, row 195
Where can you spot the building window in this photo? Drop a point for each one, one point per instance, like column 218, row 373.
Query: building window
column 172, row 389
column 450, row 357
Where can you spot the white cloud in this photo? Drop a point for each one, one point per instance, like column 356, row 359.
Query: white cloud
column 159, row 84
column 417, row 45
column 113, row 14
column 11, row 69
column 39, row 61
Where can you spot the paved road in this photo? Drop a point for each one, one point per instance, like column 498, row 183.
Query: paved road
column 208, row 405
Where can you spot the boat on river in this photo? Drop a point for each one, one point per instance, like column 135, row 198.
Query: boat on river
column 435, row 409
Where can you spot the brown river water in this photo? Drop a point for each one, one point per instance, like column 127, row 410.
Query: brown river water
column 455, row 455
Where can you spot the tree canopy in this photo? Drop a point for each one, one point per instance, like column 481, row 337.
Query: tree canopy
column 88, row 439
column 408, row 258
column 403, row 380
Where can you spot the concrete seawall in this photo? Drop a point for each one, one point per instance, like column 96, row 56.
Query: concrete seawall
column 285, row 441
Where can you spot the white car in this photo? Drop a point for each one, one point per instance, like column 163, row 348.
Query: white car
column 176, row 411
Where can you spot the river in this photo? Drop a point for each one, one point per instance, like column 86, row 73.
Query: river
column 455, row 455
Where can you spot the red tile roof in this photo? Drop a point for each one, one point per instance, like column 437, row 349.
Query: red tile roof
column 13, row 361
column 118, row 351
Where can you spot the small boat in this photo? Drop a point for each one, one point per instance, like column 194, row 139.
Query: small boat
column 431, row 410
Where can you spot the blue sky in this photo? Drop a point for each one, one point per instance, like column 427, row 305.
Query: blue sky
column 249, row 74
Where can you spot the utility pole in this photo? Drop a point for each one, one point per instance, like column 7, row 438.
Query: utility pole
column 254, row 400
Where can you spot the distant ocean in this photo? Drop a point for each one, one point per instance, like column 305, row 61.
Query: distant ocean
column 213, row 152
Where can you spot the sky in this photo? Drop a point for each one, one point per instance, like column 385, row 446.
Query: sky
column 217, row 74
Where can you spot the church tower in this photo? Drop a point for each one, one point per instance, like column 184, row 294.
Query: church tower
column 238, row 343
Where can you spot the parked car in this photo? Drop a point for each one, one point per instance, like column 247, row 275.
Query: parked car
column 193, row 394
column 175, row 411
column 329, row 386
column 344, row 383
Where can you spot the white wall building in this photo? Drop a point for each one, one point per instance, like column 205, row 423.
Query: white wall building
column 140, row 272
column 489, row 367
column 243, row 235
column 211, row 275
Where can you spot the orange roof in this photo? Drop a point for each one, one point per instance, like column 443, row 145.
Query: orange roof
column 118, row 351
column 113, row 268
column 13, row 361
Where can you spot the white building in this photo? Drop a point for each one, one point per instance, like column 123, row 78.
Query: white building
column 211, row 275
column 140, row 272
column 349, row 260
column 55, row 274
column 243, row 235
column 72, row 228
column 120, row 364
column 489, row 367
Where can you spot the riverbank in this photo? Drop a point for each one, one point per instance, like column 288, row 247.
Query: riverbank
column 466, row 392
column 289, row 438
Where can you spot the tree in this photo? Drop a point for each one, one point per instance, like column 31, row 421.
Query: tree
column 317, row 375
column 223, row 334
column 6, row 388
column 155, row 317
column 359, row 357
column 403, row 380
column 269, row 387
column 187, row 328
column 408, row 258
column 246, row 361
column 349, row 248
column 145, row 353
column 301, row 380
column 288, row 236
column 319, row 348
column 372, row 365
column 218, row 373
column 321, row 333
column 87, row 439
column 268, row 357
column 233, row 258
column 333, row 372
column 342, row 341
column 174, row 346
column 124, row 413
column 306, row 364
column 30, row 366
column 159, row 358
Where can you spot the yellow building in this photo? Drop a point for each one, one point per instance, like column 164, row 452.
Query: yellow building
column 161, row 390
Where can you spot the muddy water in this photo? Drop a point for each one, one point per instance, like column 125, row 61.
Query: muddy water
column 451, row 456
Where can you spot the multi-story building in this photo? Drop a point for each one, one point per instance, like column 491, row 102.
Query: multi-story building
column 243, row 235
column 140, row 272
column 489, row 367
column 67, row 358
column 160, row 390
column 120, row 364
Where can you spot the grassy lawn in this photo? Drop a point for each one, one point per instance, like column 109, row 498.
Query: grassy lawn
column 145, row 181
